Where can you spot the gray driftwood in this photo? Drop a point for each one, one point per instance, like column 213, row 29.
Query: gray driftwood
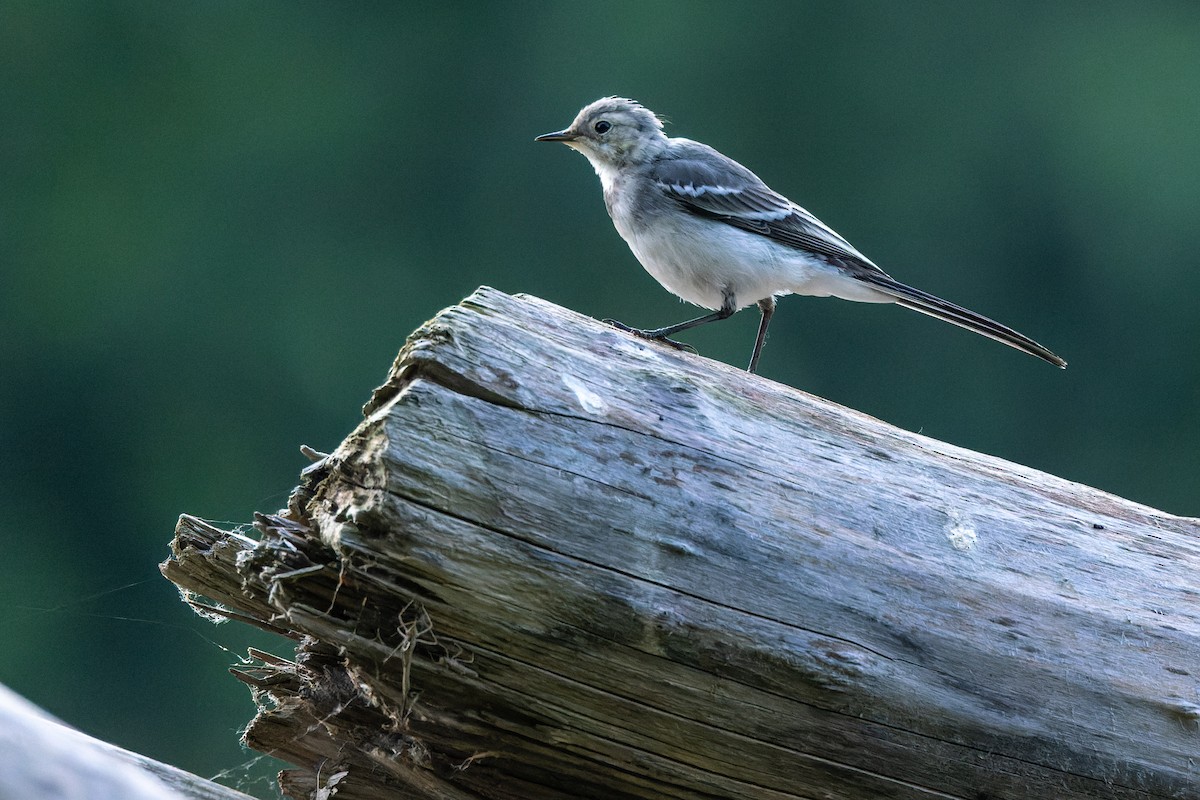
column 555, row 561
column 43, row 759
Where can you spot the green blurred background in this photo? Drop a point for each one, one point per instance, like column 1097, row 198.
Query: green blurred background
column 219, row 221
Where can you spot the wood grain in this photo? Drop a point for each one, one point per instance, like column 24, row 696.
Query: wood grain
column 556, row 561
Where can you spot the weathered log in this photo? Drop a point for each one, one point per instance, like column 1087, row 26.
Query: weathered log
column 43, row 759
column 556, row 561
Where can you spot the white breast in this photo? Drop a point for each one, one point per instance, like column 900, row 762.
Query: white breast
column 700, row 260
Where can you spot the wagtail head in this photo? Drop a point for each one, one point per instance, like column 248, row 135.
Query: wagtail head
column 613, row 131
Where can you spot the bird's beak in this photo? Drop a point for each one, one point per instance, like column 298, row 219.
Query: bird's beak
column 558, row 136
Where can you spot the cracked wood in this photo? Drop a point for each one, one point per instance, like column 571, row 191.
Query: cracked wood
column 555, row 561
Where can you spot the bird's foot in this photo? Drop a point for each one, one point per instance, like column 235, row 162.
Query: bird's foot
column 654, row 336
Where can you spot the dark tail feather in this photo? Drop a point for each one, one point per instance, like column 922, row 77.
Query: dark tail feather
column 926, row 303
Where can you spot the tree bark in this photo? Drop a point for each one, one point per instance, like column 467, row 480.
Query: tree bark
column 557, row 561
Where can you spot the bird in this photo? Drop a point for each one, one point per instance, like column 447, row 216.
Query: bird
column 713, row 233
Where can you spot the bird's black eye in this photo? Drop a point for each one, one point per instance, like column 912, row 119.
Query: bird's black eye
column 603, row 126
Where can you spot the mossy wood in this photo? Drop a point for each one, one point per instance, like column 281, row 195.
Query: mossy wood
column 556, row 561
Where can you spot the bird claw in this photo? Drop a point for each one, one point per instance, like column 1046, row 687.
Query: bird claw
column 653, row 336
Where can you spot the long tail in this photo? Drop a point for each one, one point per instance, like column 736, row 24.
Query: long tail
column 926, row 303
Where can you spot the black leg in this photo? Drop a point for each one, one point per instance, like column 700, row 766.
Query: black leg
column 728, row 306
column 767, row 307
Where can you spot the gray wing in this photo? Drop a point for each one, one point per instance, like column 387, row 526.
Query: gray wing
column 709, row 184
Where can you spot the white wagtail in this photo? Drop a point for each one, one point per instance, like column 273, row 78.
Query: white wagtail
column 711, row 232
